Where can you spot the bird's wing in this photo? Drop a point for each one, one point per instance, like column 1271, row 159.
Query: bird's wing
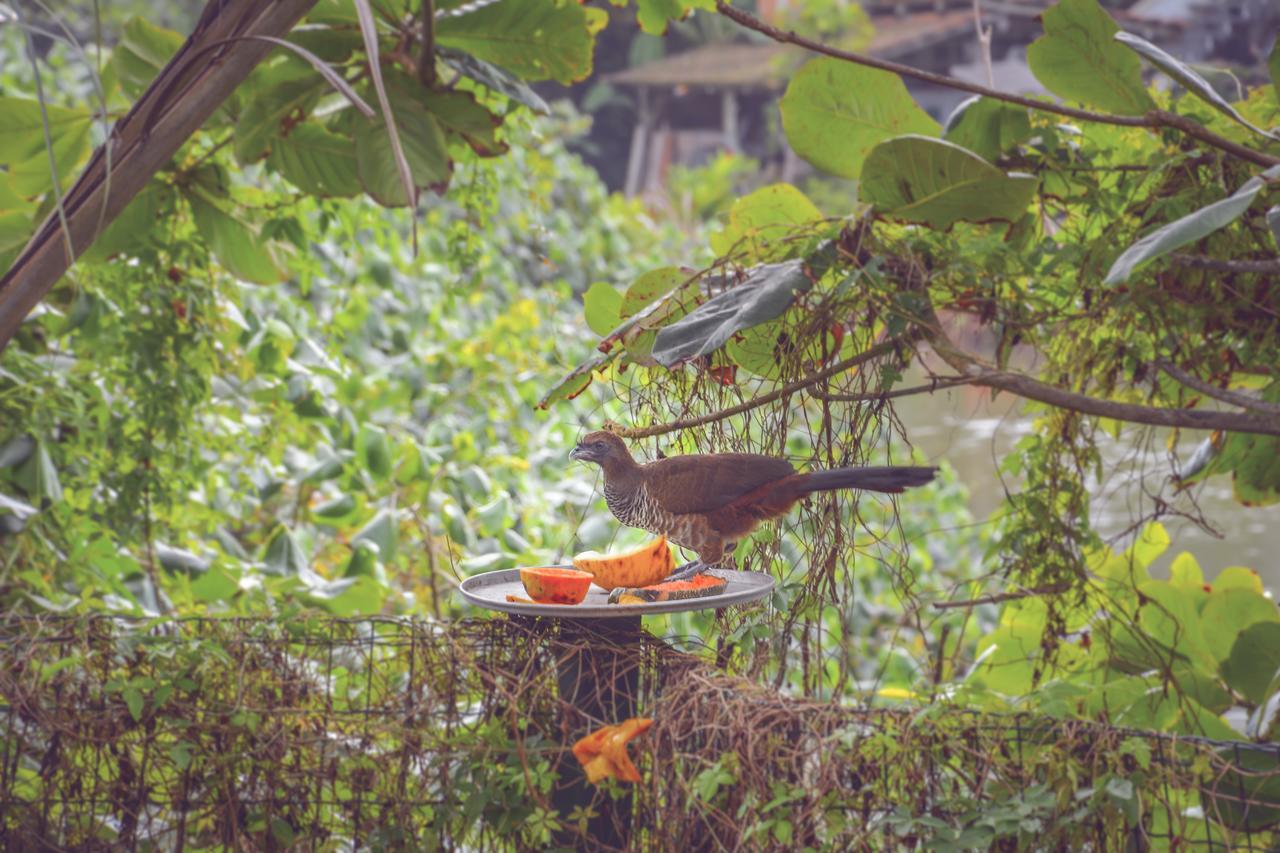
column 705, row 483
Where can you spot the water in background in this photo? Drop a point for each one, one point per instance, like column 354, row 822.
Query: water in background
column 973, row 433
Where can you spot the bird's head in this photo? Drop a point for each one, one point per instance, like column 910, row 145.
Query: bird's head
column 603, row 448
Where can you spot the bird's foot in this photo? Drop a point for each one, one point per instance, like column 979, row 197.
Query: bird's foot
column 688, row 570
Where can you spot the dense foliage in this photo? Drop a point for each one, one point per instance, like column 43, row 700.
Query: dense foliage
column 264, row 392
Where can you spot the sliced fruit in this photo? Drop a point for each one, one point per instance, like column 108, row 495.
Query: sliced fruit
column 554, row 585
column 695, row 587
column 643, row 565
column 603, row 753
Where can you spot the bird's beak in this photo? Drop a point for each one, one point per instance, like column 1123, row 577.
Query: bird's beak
column 576, row 453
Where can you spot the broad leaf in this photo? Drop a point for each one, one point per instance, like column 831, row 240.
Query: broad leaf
column 601, row 305
column 14, row 514
column 23, row 152
column 132, row 228
column 424, row 148
column 577, row 380
column 1078, row 58
column 1254, row 661
column 761, row 221
column 935, row 182
column 316, row 161
column 492, row 77
column 142, row 51
column 373, row 451
column 766, row 293
column 1187, row 76
column 39, row 478
column 283, row 555
column 272, row 112
column 461, row 115
column 236, row 244
column 835, row 112
column 1188, row 229
column 536, row 39
column 653, row 15
column 1228, row 612
column 987, row 127
column 381, row 530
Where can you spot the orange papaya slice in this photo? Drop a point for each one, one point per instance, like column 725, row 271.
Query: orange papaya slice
column 643, row 565
column 554, row 585
column 695, row 587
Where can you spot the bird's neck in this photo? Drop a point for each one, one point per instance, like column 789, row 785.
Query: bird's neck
column 622, row 482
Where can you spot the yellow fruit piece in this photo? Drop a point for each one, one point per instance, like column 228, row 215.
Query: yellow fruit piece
column 641, row 566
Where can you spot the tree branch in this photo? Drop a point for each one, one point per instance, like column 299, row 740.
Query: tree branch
column 886, row 347
column 1043, row 392
column 146, row 139
column 939, row 384
column 1153, row 118
column 1244, row 265
column 1224, row 395
column 997, row 598
column 427, row 57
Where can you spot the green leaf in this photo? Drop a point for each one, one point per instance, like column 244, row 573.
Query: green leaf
column 283, row 555
column 1238, row 577
column 142, row 51
column 132, row 228
column 1254, row 661
column 1188, row 229
column 1078, row 59
column 653, row 15
column 461, row 115
column 356, row 596
column 272, row 112
column 987, row 127
column 381, row 530
column 335, row 508
column 316, row 161
column 535, row 39
column 14, row 514
column 373, row 451
column 1246, row 794
column 23, row 152
column 601, row 305
column 935, row 182
column 1149, row 545
column 364, row 559
column 835, row 112
column 1185, row 572
column 281, row 831
column 133, row 701
column 649, row 287
column 236, row 244
column 761, row 221
column 1228, row 612
column 1188, row 77
column 39, row 478
column 494, row 78
column 1273, row 66
column 424, row 148
column 214, row 585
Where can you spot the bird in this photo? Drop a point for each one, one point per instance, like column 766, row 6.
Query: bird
column 707, row 502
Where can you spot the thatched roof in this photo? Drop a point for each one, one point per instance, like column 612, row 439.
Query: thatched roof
column 761, row 66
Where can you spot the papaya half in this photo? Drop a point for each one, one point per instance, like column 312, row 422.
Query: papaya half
column 695, row 587
column 641, row 566
column 554, row 585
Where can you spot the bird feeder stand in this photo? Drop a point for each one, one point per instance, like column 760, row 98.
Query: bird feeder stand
column 609, row 626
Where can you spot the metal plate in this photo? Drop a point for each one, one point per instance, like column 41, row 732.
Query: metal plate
column 492, row 588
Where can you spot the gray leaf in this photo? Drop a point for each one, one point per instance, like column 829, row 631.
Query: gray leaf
column 767, row 292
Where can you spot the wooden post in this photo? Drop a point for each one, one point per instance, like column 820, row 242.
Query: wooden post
column 603, row 704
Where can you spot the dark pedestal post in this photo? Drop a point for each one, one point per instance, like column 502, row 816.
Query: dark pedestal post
column 603, row 688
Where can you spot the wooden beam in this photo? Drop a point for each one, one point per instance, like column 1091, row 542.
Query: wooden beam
column 203, row 73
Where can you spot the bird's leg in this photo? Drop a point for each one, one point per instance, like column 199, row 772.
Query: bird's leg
column 697, row 567
column 688, row 570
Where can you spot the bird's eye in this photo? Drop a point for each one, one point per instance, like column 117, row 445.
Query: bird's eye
column 597, row 444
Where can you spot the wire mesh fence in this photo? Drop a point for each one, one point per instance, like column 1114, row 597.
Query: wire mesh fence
column 385, row 734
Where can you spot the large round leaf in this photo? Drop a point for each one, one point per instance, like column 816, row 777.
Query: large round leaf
column 1228, row 612
column 935, row 182
column 761, row 221
column 1254, row 663
column 835, row 112
column 1078, row 59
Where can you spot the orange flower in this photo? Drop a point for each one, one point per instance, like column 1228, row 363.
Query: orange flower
column 604, row 752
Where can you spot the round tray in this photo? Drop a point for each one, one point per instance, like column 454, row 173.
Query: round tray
column 491, row 589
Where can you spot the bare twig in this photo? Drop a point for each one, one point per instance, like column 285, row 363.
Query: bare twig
column 998, row 597
column 1243, row 265
column 1153, row 118
column 1223, row 395
column 427, row 56
column 886, row 347
column 938, row 384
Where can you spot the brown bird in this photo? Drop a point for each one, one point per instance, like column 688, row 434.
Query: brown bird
column 707, row 502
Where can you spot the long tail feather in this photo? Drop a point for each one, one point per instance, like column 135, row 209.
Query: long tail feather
column 891, row 478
